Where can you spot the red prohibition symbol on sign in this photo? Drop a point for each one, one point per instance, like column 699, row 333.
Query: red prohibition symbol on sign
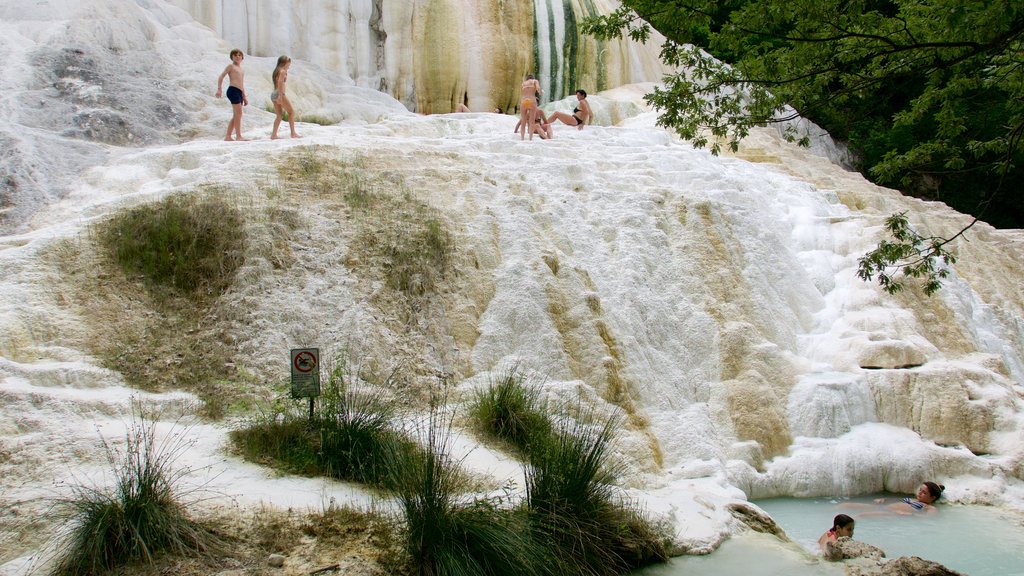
column 305, row 362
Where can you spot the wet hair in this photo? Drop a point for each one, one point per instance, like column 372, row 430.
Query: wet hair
column 281, row 61
column 235, row 51
column 841, row 521
column 934, row 489
column 583, row 92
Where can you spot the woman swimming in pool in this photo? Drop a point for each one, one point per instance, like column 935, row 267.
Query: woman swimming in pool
column 842, row 525
column 927, row 494
column 924, row 502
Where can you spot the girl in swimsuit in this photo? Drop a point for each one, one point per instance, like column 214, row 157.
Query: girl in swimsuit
column 580, row 115
column 927, row 494
column 529, row 91
column 924, row 501
column 842, row 525
column 542, row 126
column 280, row 99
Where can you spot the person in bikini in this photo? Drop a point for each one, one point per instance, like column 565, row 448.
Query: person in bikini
column 581, row 114
column 529, row 92
column 541, row 125
column 235, row 93
column 280, row 98
column 924, row 501
column 842, row 526
column 927, row 494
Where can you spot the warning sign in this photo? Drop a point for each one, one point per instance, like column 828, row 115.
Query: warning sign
column 305, row 372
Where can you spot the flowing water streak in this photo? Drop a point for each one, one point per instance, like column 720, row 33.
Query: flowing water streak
column 550, row 42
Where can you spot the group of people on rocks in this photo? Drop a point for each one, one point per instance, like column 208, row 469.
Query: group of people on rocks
column 923, row 502
column 532, row 120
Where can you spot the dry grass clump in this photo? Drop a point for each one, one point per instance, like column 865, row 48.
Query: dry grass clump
column 398, row 237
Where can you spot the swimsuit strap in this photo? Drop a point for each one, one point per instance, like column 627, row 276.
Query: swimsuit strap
column 916, row 505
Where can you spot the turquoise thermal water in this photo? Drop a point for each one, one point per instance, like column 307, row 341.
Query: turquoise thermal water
column 974, row 540
column 748, row 555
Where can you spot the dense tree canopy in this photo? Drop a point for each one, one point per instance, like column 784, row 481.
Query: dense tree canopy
column 928, row 94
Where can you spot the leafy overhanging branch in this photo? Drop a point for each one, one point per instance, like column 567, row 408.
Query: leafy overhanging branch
column 931, row 94
column 914, row 255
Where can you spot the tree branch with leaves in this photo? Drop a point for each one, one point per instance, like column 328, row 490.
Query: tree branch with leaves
column 928, row 95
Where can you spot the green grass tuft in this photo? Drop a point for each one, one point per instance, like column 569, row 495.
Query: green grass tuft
column 575, row 505
column 447, row 535
column 186, row 244
column 317, row 119
column 350, row 436
column 511, row 410
column 138, row 518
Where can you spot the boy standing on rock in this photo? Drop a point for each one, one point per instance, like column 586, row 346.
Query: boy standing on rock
column 235, row 93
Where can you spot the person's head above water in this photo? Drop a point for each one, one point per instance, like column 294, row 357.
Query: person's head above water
column 842, row 525
column 929, row 492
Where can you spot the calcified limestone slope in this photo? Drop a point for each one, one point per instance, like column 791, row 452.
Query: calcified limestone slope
column 711, row 301
column 435, row 54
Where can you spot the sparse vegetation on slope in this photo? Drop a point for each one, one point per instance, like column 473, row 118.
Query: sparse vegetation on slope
column 398, row 237
column 150, row 294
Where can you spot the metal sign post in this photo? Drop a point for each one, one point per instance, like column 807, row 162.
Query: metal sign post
column 305, row 367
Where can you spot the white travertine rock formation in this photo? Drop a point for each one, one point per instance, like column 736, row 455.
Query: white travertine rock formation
column 710, row 301
column 435, row 54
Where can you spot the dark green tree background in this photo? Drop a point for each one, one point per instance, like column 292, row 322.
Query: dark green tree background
column 928, row 95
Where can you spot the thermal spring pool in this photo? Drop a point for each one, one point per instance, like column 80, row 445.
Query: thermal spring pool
column 750, row 554
column 975, row 540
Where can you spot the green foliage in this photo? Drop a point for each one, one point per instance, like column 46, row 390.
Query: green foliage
column 138, row 518
column 350, row 436
column 282, row 439
column 184, row 244
column 930, row 95
column 445, row 534
column 568, row 471
column 356, row 436
column 570, row 524
column 911, row 253
column 573, row 503
column 511, row 410
column 950, row 69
